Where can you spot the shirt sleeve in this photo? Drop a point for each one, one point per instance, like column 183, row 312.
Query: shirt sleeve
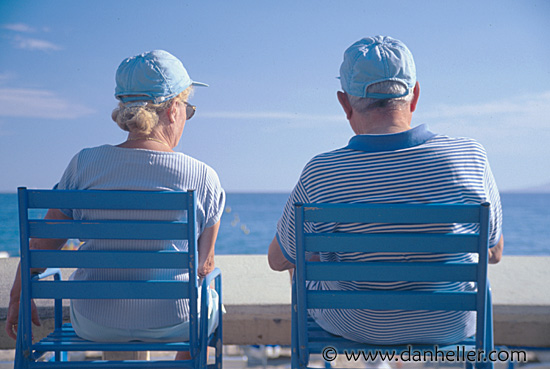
column 495, row 211
column 286, row 227
column 214, row 199
column 68, row 182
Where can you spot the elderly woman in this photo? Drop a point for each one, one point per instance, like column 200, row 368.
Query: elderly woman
column 153, row 89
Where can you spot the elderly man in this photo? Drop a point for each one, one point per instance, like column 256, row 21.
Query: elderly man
column 390, row 162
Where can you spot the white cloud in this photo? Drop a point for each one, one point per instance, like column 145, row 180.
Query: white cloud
column 29, row 103
column 28, row 43
column 526, row 106
column 19, row 27
column 532, row 108
column 281, row 115
column 34, row 44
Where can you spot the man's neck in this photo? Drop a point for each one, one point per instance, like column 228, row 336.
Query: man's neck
column 379, row 124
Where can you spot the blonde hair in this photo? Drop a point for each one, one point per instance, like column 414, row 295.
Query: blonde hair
column 143, row 119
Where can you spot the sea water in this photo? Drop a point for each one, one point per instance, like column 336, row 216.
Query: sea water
column 249, row 223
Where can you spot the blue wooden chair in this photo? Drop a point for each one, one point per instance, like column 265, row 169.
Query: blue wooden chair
column 308, row 338
column 63, row 338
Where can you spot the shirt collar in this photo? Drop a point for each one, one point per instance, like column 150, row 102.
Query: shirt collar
column 391, row 142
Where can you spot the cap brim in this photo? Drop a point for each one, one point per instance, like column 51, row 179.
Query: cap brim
column 199, row 84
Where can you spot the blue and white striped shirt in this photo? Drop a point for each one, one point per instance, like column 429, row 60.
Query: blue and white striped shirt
column 114, row 168
column 415, row 166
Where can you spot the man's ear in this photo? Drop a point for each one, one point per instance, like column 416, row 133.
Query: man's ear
column 416, row 95
column 344, row 101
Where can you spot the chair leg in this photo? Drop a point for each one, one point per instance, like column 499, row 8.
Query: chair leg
column 294, row 358
column 203, row 357
column 219, row 352
column 20, row 362
column 489, row 338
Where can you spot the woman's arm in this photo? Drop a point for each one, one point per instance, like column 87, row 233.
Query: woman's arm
column 207, row 242
column 15, row 294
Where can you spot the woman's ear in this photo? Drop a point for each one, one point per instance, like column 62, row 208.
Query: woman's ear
column 172, row 111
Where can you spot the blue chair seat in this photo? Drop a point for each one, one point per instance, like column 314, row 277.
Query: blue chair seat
column 65, row 339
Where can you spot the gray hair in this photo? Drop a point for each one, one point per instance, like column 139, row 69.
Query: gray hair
column 364, row 104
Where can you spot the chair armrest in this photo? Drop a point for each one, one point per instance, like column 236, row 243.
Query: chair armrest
column 58, row 304
column 203, row 324
column 215, row 274
column 210, row 277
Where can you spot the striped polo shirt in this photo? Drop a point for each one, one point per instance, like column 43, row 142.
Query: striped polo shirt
column 114, row 168
column 415, row 166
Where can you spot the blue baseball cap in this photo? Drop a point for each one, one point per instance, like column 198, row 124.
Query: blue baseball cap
column 377, row 59
column 154, row 76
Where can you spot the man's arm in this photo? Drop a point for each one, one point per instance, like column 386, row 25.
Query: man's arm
column 276, row 259
column 495, row 252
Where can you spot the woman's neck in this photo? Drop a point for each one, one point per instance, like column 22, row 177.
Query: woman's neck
column 147, row 142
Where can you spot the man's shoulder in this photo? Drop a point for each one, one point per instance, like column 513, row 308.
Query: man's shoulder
column 451, row 139
column 442, row 142
column 327, row 162
column 330, row 157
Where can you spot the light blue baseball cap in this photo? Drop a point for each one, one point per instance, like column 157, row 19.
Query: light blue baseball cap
column 154, row 76
column 377, row 59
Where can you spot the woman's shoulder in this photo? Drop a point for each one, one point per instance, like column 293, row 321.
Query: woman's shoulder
column 88, row 152
column 201, row 170
column 201, row 166
column 96, row 150
column 191, row 161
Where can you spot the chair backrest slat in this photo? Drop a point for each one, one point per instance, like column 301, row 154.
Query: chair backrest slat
column 391, row 272
column 110, row 290
column 391, row 300
column 108, row 229
column 395, row 242
column 108, row 259
column 391, row 213
column 127, row 200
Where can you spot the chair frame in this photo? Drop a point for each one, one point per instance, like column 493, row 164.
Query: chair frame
column 63, row 338
column 308, row 338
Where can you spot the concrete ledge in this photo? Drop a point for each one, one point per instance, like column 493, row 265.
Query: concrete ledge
column 257, row 301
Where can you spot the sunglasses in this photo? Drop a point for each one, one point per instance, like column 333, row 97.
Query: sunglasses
column 189, row 110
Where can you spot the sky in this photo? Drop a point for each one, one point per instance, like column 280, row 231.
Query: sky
column 483, row 69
